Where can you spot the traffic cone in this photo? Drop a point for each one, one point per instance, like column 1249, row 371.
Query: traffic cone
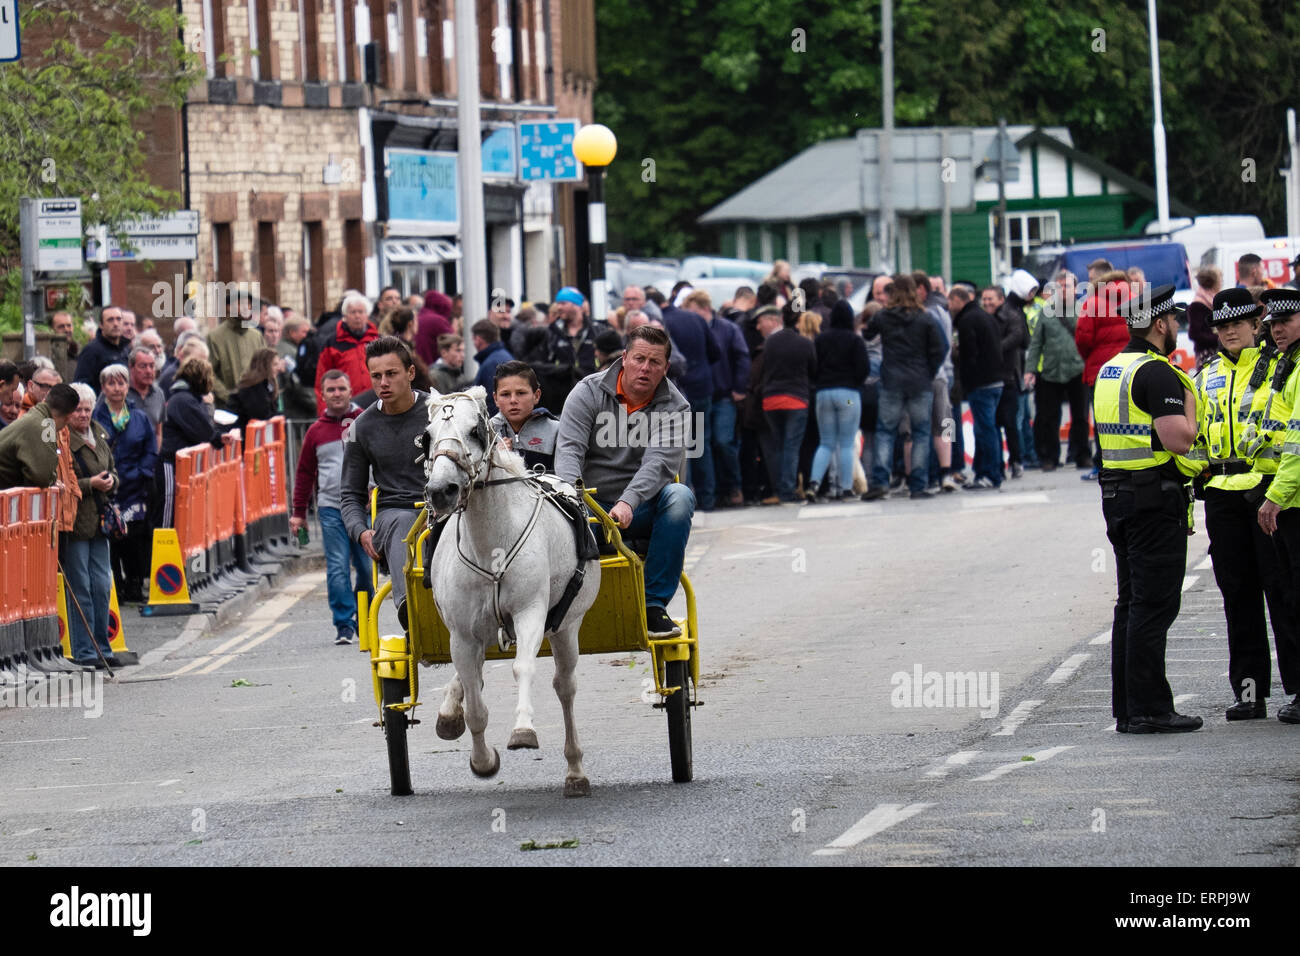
column 168, row 592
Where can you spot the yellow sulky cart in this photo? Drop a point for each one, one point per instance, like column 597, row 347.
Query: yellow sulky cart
column 615, row 624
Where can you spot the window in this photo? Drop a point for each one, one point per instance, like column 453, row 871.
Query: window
column 309, row 12
column 266, row 261
column 433, row 17
column 313, row 267
column 259, row 32
column 214, row 44
column 355, row 249
column 1024, row 232
column 222, row 253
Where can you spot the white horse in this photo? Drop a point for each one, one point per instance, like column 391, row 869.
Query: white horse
column 503, row 561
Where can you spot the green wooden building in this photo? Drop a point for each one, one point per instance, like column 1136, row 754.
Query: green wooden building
column 809, row 209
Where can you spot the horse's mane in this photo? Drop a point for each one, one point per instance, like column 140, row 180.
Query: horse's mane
column 511, row 462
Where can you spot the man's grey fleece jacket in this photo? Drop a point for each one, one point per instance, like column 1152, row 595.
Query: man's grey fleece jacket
column 628, row 458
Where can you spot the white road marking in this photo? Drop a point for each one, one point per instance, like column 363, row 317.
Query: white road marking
column 1189, row 580
column 44, row 740
column 881, row 818
column 840, row 511
column 1206, row 563
column 194, row 628
column 86, row 809
column 1006, row 768
column 25, row 832
column 226, row 659
column 197, row 662
column 1182, row 699
column 1067, row 669
column 88, row 786
column 1001, row 501
column 1016, row 718
column 168, row 783
column 693, row 555
column 766, row 549
column 959, row 759
column 1102, row 638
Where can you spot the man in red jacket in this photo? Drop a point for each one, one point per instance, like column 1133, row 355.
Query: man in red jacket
column 1100, row 335
column 320, row 467
column 347, row 351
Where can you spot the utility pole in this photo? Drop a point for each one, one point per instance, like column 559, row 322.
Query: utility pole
column 1292, row 179
column 1004, row 233
column 469, row 166
column 1158, row 125
column 886, row 260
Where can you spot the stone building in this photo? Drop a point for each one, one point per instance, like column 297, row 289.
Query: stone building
column 284, row 148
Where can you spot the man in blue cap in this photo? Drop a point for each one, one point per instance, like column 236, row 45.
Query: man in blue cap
column 569, row 352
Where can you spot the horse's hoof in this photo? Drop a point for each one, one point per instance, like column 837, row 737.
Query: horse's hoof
column 523, row 738
column 450, row 728
column 577, row 787
column 491, row 771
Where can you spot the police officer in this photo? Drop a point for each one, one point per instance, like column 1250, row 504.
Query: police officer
column 1145, row 409
column 1279, row 513
column 1232, row 393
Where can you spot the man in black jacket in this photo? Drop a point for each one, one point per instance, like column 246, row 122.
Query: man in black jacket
column 913, row 351
column 105, row 349
column 785, row 387
column 979, row 355
column 1015, row 339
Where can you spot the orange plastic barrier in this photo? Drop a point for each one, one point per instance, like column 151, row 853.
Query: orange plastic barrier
column 29, row 630
column 13, row 533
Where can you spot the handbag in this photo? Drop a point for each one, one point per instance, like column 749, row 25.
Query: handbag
column 111, row 523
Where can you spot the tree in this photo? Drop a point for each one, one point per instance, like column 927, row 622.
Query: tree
column 719, row 94
column 72, row 111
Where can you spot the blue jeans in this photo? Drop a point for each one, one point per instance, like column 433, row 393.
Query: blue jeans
column 701, row 468
column 983, row 404
column 342, row 555
column 838, row 413
column 666, row 521
column 781, row 441
column 726, row 446
column 918, row 407
column 89, row 579
column 1026, row 427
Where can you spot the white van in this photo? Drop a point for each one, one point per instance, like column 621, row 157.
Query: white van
column 1276, row 252
column 1197, row 236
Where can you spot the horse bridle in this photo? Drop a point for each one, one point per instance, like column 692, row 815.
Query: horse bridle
column 460, row 456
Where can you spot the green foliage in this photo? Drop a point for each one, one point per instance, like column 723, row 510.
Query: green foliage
column 718, row 94
column 74, row 108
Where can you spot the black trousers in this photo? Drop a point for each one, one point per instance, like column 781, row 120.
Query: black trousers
column 1047, row 423
column 1249, row 575
column 1286, row 544
column 1150, row 547
column 1005, row 417
column 130, row 560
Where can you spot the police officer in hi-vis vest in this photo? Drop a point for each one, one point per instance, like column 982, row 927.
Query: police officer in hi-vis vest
column 1279, row 513
column 1145, row 410
column 1238, row 414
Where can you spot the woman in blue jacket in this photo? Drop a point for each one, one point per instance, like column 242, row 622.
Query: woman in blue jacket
column 131, row 440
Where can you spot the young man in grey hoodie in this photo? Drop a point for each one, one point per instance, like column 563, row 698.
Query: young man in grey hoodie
column 624, row 432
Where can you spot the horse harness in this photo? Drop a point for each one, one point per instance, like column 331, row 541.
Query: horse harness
column 570, row 506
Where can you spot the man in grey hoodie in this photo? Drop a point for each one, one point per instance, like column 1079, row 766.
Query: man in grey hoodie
column 624, row 432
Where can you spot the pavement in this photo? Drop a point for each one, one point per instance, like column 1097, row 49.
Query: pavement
column 822, row 740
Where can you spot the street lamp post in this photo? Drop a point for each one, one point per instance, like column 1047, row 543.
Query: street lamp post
column 595, row 146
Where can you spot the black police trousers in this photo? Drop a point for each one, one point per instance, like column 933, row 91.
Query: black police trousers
column 1286, row 544
column 1150, row 545
column 1249, row 574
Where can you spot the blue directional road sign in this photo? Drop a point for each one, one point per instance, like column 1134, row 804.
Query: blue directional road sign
column 546, row 151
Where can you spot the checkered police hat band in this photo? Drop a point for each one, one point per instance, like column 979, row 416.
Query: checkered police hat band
column 1284, row 306
column 1229, row 312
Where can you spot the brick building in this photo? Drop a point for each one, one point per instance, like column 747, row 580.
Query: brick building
column 286, row 151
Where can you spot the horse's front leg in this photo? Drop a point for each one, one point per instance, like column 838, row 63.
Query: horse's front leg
column 467, row 655
column 451, row 712
column 564, row 648
column 530, row 625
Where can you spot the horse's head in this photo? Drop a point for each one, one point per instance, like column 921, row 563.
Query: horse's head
column 457, row 448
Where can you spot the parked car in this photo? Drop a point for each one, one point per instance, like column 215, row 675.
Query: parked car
column 1161, row 261
column 717, row 267
column 1204, row 232
column 1277, row 253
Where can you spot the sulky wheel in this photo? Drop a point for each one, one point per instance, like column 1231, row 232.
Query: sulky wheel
column 395, row 724
column 678, row 705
